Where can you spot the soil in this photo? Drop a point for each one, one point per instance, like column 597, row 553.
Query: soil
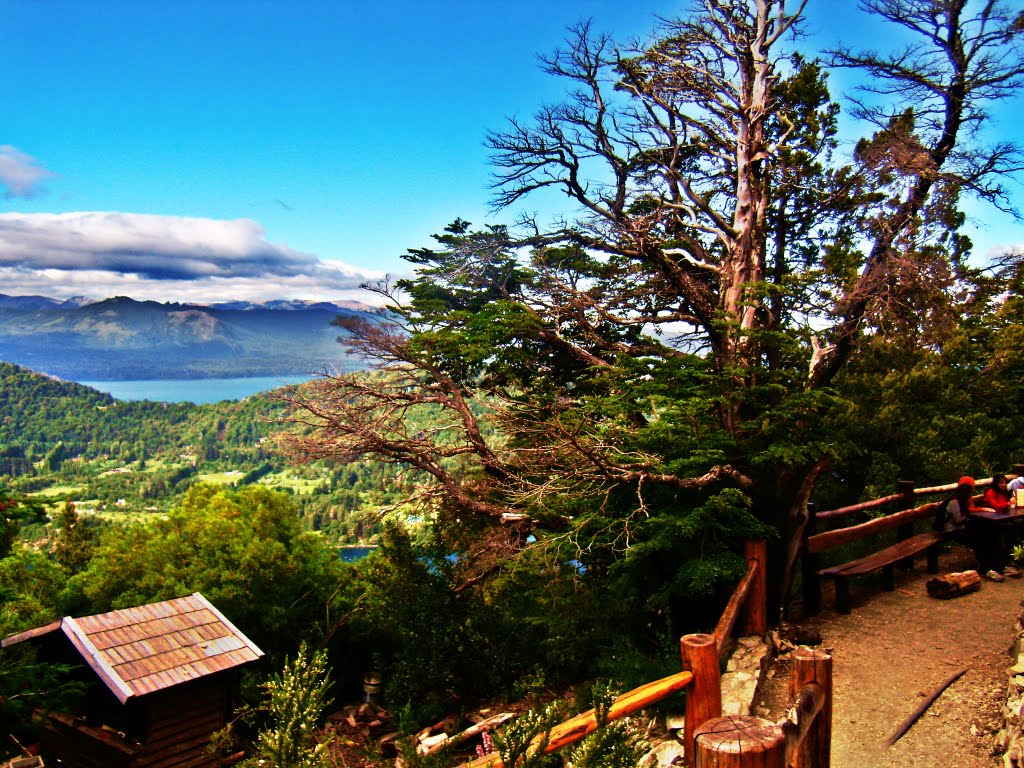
column 895, row 649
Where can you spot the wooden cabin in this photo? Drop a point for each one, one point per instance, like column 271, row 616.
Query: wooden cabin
column 160, row 679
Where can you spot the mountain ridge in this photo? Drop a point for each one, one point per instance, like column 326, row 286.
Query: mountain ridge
column 120, row 338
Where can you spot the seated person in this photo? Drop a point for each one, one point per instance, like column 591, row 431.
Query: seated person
column 1017, row 484
column 987, row 544
column 997, row 496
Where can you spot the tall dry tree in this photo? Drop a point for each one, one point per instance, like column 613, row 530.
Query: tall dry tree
column 653, row 370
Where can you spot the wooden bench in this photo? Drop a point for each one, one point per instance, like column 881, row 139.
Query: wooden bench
column 902, row 551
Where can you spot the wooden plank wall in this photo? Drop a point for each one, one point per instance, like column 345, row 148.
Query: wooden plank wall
column 181, row 720
column 74, row 748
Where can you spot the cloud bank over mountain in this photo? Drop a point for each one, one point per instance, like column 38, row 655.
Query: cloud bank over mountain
column 162, row 257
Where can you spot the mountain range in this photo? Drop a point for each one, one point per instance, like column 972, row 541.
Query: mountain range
column 124, row 339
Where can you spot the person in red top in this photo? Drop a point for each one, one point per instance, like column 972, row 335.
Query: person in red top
column 989, row 544
column 996, row 496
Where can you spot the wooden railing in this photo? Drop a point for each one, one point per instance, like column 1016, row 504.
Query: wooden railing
column 902, row 519
column 805, row 734
column 748, row 599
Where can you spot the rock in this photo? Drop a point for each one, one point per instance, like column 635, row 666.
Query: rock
column 1002, row 739
column 674, row 722
column 806, row 636
column 663, row 755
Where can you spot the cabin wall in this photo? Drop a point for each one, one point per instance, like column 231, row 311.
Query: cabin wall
column 69, row 742
column 174, row 729
column 182, row 719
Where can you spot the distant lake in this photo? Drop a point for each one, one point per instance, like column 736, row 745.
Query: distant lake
column 193, row 390
column 351, row 554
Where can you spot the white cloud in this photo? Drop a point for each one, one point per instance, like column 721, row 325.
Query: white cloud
column 103, row 254
column 20, row 174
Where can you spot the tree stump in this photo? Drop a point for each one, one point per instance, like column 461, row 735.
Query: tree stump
column 954, row 584
column 739, row 742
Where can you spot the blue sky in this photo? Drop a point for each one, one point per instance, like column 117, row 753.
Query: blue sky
column 272, row 149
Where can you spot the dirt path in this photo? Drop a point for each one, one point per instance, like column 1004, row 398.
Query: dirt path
column 893, row 650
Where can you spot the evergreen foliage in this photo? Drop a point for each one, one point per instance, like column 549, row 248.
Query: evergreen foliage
column 244, row 550
column 295, row 699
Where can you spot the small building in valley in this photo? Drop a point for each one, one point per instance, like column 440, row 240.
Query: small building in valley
column 159, row 680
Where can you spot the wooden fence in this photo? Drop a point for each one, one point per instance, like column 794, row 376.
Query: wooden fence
column 902, row 518
column 802, row 740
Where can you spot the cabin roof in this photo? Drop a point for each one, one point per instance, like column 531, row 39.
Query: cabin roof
column 136, row 651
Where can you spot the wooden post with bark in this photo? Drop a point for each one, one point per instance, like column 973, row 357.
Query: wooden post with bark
column 811, row 677
column 755, row 609
column 802, row 740
column 906, row 490
column 809, row 563
column 704, row 697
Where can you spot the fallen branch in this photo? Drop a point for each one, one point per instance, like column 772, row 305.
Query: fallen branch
column 923, row 707
column 473, row 730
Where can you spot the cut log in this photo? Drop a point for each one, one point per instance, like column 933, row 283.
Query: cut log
column 954, row 584
column 473, row 730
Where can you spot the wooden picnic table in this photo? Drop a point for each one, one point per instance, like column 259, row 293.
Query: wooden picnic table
column 1002, row 529
column 999, row 517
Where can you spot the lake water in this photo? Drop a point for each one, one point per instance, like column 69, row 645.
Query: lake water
column 193, row 390
column 351, row 554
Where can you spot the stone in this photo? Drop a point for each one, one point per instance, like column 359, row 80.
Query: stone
column 663, row 755
column 806, row 636
column 1002, row 740
column 674, row 722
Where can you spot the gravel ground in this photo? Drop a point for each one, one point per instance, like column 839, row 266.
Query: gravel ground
column 895, row 649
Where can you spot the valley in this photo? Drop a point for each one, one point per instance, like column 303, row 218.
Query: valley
column 124, row 461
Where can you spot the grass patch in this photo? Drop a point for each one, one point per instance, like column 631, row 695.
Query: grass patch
column 229, row 477
column 56, row 490
column 298, row 485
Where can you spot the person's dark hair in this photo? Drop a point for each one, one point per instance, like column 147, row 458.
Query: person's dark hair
column 997, row 478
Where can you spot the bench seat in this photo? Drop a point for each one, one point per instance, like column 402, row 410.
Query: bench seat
column 884, row 559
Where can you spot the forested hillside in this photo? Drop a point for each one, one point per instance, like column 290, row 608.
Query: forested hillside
column 60, row 440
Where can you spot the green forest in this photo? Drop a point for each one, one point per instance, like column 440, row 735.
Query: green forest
column 571, row 426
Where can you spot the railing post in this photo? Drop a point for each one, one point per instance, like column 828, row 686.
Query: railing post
column 755, row 610
column 704, row 696
column 906, row 489
column 812, row 666
column 739, row 742
column 809, row 563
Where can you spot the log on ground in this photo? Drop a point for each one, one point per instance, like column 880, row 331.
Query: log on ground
column 954, row 584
